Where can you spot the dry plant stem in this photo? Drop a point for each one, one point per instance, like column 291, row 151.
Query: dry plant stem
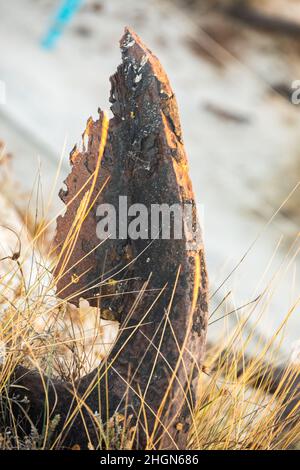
column 152, row 371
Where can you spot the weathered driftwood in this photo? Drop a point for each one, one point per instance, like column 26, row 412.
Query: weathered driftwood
column 151, row 373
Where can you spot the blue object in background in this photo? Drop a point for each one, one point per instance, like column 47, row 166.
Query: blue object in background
column 62, row 18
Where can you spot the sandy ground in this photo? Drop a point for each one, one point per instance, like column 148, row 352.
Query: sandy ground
column 241, row 135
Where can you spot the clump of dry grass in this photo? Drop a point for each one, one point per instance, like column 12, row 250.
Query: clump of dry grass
column 239, row 407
